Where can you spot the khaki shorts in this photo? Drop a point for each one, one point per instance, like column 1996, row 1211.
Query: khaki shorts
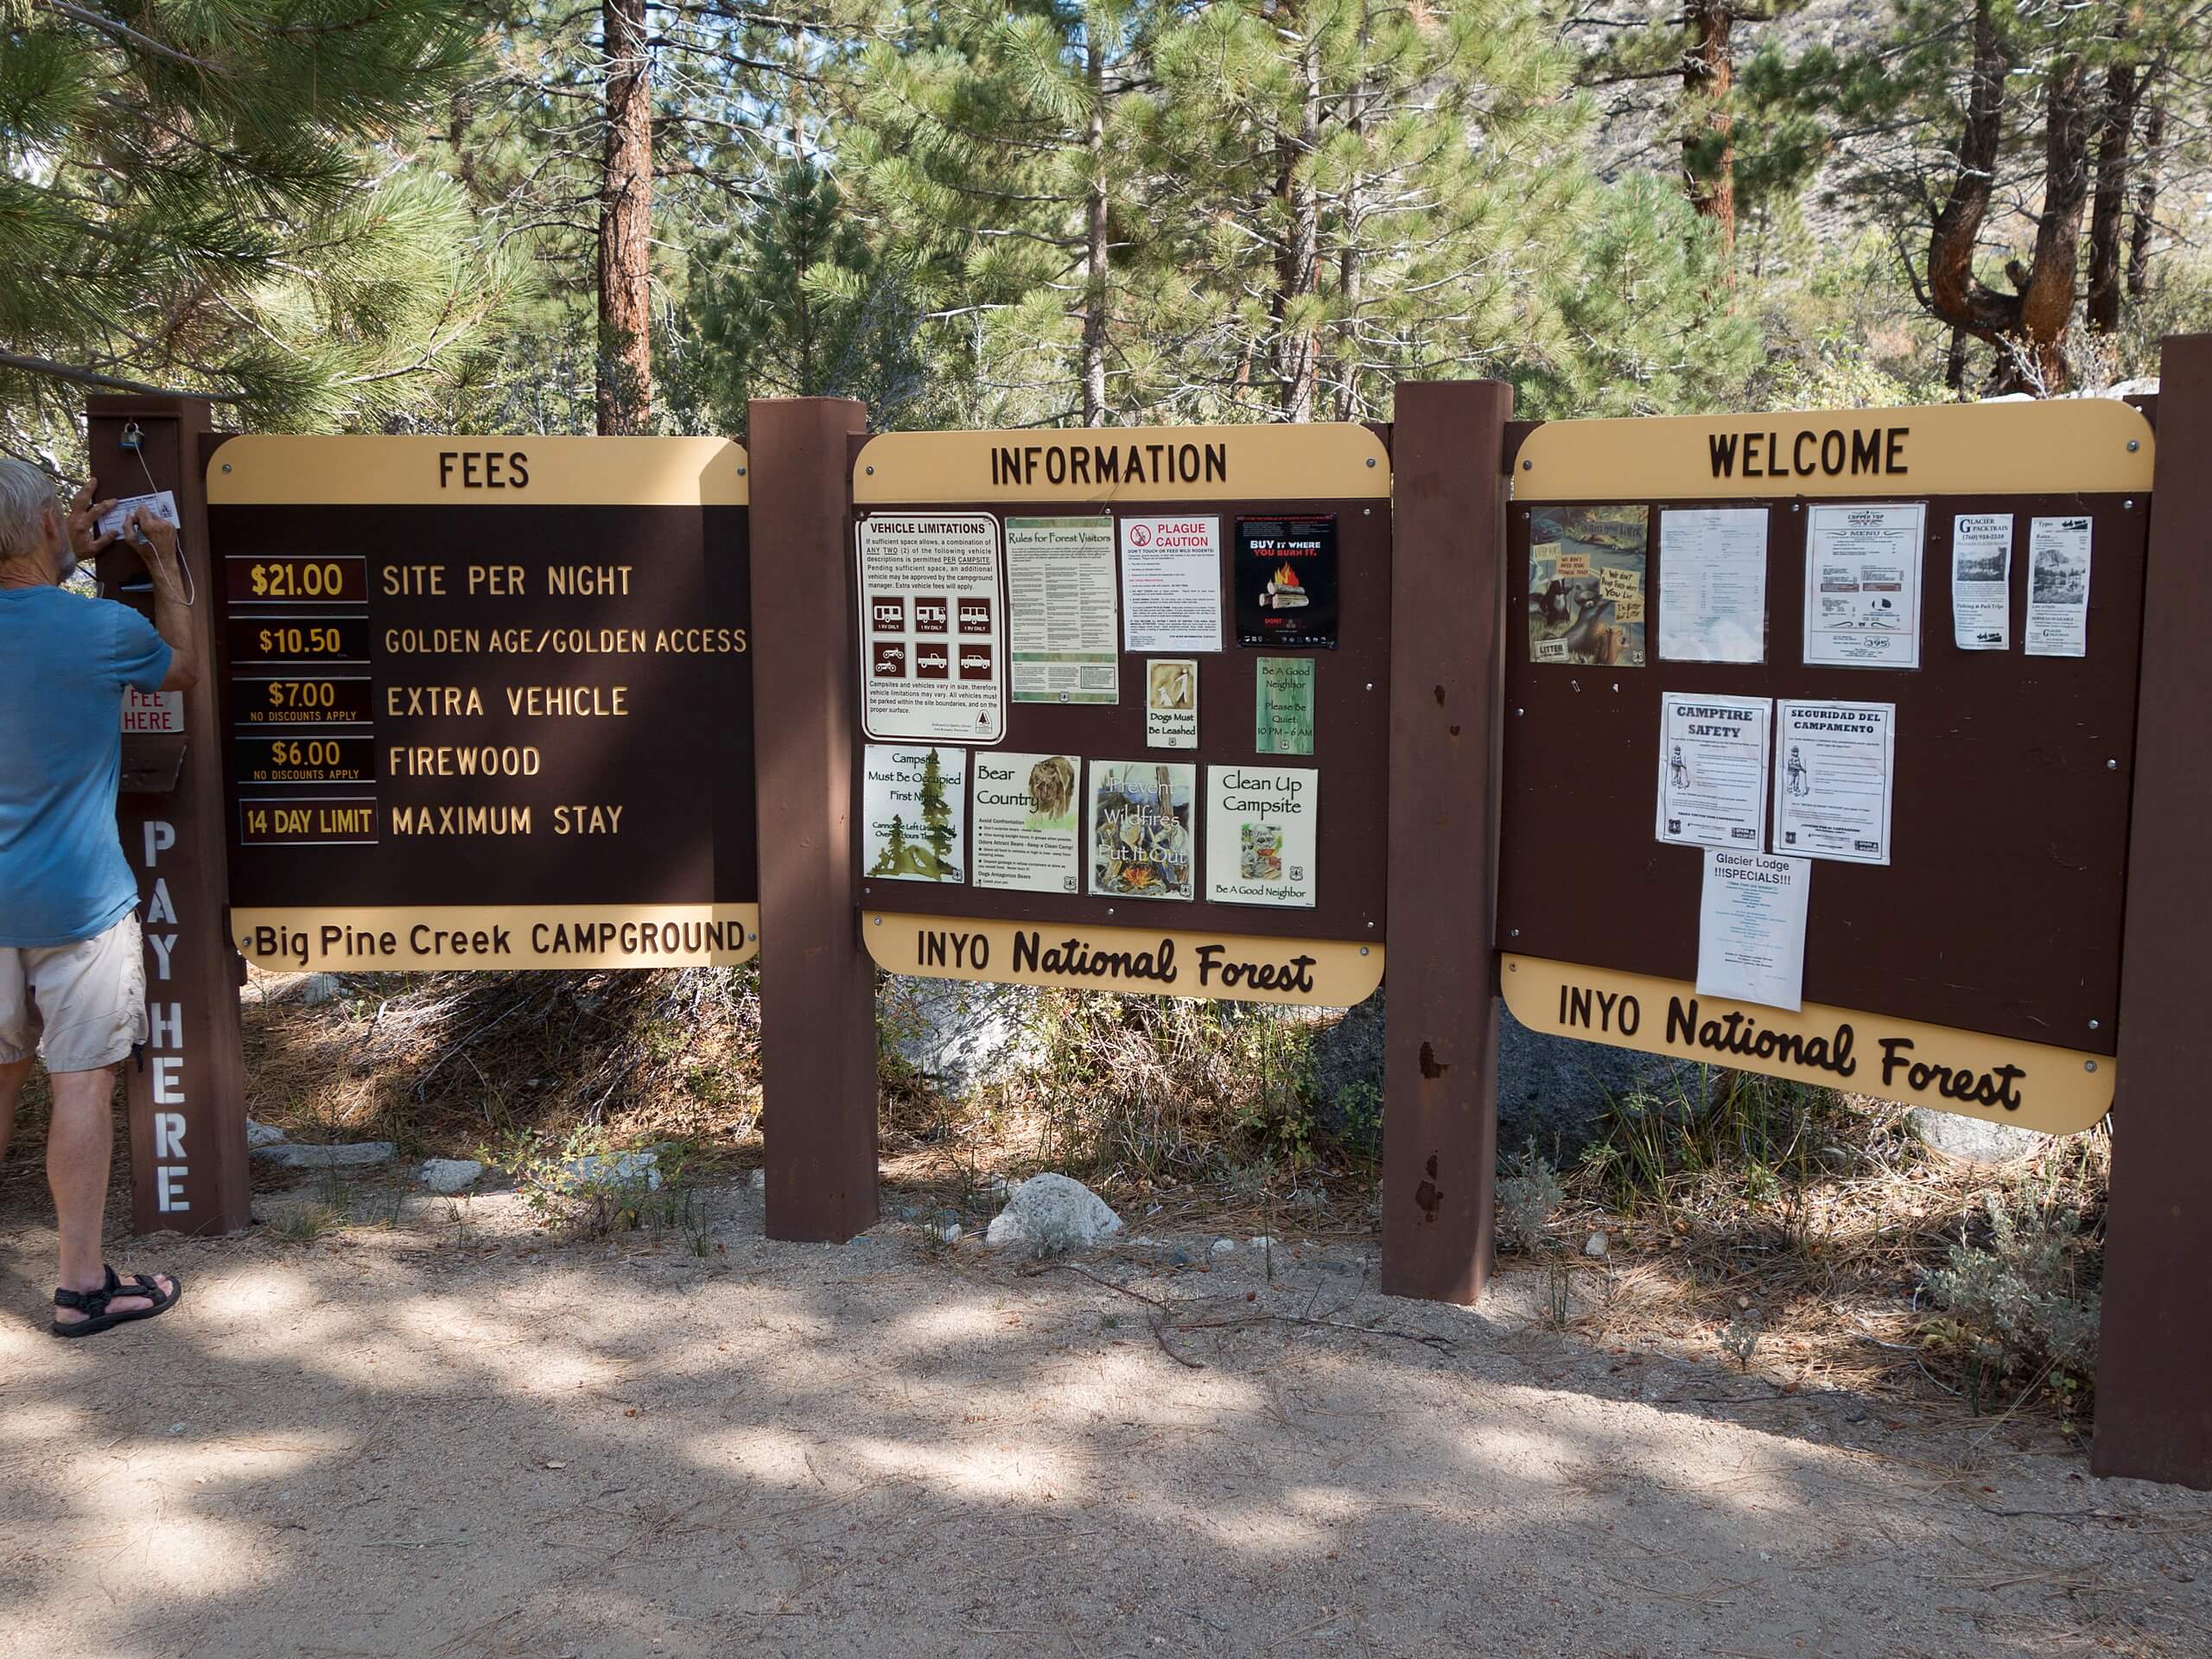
column 82, row 1005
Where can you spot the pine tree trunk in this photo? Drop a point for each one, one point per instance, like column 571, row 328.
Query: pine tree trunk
column 1954, row 363
column 1955, row 294
column 626, row 208
column 2116, row 131
column 2146, row 201
column 1297, row 259
column 1345, row 355
column 1709, row 142
column 2047, row 297
column 1096, row 247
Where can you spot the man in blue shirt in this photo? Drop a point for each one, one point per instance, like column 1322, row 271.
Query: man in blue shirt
column 73, row 971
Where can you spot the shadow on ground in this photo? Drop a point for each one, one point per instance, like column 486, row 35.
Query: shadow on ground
column 440, row 1436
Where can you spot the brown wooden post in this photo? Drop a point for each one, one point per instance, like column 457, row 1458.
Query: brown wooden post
column 2154, row 1407
column 818, row 985
column 187, row 1092
column 1447, row 593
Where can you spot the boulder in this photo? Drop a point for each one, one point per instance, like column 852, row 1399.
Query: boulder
column 1973, row 1140
column 1553, row 1089
column 318, row 988
column 261, row 1135
column 961, row 1036
column 292, row 1155
column 620, row 1168
column 1048, row 1214
column 450, row 1174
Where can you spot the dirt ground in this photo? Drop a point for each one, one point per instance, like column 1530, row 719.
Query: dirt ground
column 433, row 1435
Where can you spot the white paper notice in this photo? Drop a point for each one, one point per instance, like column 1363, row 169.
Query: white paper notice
column 933, row 642
column 2058, row 587
column 1713, row 584
column 160, row 505
column 915, row 804
column 1713, row 758
column 1027, row 809
column 1171, row 703
column 1751, row 928
column 1835, row 764
column 1171, row 584
column 1862, row 585
column 1981, row 581
column 1259, row 823
column 1061, row 626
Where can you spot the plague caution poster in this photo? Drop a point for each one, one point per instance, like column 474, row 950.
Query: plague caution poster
column 932, row 634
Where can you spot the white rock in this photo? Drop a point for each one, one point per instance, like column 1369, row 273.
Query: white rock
column 1973, row 1140
column 948, row 1230
column 450, row 1174
column 621, row 1166
column 1224, row 1247
column 759, row 1180
column 292, row 1155
column 317, row 989
column 962, row 1035
column 1262, row 1242
column 1598, row 1245
column 261, row 1135
column 1048, row 1214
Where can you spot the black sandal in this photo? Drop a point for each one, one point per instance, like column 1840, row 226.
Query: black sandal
column 94, row 1303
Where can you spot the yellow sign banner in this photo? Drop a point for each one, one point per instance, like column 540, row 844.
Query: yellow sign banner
column 1168, row 962
column 417, row 939
column 1311, row 463
column 2029, row 1085
column 525, row 471
column 2084, row 445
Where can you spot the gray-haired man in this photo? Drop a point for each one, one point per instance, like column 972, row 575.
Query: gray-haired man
column 72, row 972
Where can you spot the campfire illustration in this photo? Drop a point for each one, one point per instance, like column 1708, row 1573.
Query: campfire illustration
column 1284, row 592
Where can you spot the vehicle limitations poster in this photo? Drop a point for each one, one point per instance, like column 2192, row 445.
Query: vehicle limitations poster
column 932, row 635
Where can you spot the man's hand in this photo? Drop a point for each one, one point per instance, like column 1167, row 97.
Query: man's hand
column 156, row 540
column 83, row 519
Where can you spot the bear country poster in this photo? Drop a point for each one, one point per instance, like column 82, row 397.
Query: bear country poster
column 1026, row 812
column 1585, row 585
column 1286, row 581
column 1142, row 838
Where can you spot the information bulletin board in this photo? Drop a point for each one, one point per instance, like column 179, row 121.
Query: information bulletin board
column 1125, row 707
column 489, row 702
column 1908, row 640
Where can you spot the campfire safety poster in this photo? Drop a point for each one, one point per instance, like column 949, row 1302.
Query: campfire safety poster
column 932, row 628
column 1286, row 583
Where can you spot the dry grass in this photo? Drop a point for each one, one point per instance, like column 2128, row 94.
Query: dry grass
column 443, row 1063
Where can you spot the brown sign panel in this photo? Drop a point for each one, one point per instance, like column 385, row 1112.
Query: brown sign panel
column 1998, row 911
column 487, row 702
column 1211, row 921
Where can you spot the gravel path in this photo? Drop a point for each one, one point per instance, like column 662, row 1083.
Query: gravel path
column 415, row 1439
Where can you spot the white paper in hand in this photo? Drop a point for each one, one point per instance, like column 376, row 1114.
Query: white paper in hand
column 160, row 505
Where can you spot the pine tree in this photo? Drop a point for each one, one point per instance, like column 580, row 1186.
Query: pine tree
column 936, row 814
column 201, row 198
column 799, row 304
